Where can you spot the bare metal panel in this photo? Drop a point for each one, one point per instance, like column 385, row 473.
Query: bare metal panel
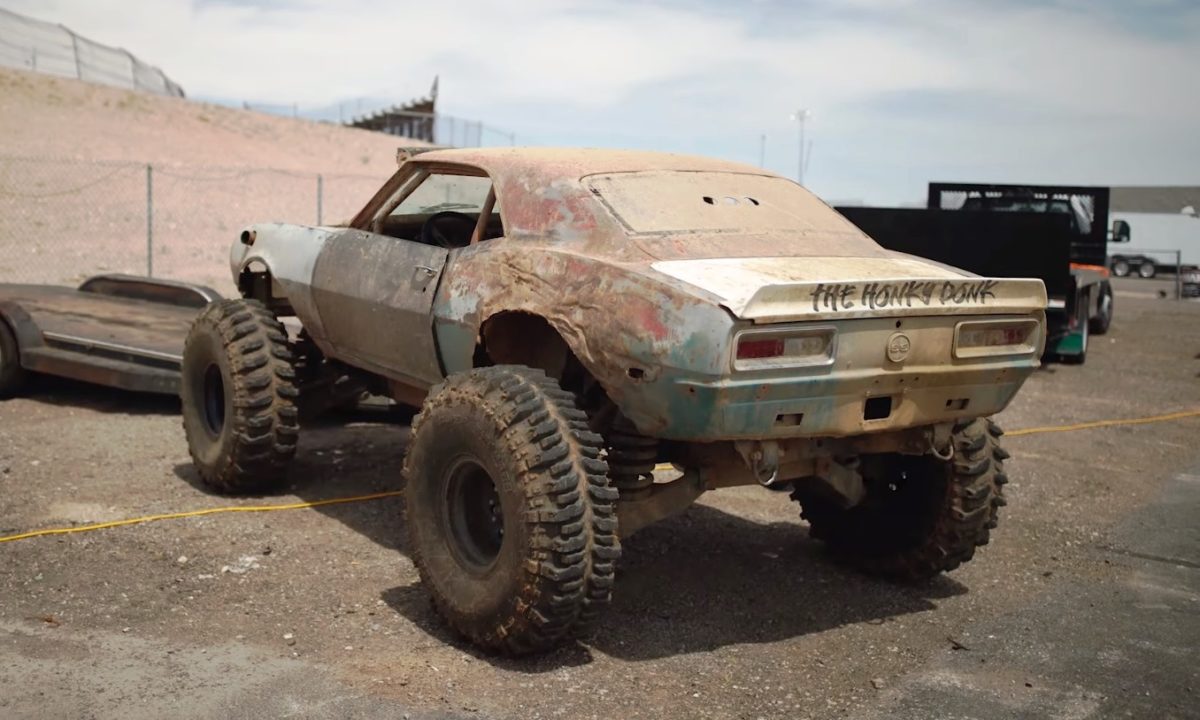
column 374, row 294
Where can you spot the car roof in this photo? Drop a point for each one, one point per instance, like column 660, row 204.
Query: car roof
column 562, row 163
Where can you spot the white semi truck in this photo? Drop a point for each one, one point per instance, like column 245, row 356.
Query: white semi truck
column 1154, row 238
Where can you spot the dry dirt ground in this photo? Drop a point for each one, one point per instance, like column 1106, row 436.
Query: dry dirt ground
column 1085, row 604
column 45, row 116
column 73, row 179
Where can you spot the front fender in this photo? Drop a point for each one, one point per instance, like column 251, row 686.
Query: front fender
column 289, row 253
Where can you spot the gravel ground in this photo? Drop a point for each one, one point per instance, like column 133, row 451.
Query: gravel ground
column 726, row 611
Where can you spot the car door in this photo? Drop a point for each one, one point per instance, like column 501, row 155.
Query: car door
column 374, row 289
column 374, row 294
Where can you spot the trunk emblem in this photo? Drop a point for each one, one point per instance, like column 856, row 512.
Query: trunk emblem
column 898, row 347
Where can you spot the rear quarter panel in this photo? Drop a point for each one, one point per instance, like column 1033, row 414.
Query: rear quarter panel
column 613, row 317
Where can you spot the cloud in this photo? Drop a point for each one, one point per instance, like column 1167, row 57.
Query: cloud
column 1094, row 91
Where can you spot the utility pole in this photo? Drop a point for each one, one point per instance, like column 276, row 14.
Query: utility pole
column 149, row 221
column 800, row 116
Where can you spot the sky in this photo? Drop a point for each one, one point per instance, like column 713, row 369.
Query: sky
column 900, row 92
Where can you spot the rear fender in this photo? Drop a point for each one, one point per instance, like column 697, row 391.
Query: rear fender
column 627, row 328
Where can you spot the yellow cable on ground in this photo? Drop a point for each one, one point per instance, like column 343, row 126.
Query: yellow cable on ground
column 197, row 513
column 394, row 493
column 1104, row 423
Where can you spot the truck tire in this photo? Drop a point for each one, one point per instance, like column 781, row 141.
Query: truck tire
column 12, row 375
column 511, row 521
column 1147, row 269
column 1100, row 322
column 921, row 515
column 1120, row 267
column 239, row 397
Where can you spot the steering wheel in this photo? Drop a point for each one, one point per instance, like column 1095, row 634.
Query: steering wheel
column 448, row 229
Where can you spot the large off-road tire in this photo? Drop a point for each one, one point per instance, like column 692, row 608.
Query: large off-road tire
column 239, row 397
column 511, row 520
column 12, row 375
column 922, row 515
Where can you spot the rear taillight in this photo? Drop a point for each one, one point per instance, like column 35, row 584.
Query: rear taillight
column 996, row 337
column 791, row 347
column 750, row 349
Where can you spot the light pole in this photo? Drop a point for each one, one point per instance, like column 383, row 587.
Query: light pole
column 800, row 116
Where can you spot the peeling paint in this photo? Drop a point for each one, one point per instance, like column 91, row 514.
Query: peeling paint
column 627, row 287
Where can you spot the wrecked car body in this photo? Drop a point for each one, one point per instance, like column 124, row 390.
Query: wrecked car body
column 692, row 312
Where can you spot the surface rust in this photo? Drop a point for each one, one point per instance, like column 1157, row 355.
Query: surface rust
column 646, row 264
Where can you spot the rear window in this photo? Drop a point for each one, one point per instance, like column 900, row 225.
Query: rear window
column 684, row 202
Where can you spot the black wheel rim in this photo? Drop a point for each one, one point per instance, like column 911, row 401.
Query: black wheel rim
column 474, row 516
column 214, row 400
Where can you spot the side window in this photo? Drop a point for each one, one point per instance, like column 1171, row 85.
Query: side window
column 444, row 210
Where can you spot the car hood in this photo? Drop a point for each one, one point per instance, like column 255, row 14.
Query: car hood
column 777, row 289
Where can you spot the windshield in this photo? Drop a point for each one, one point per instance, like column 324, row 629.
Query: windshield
column 440, row 192
column 712, row 202
column 1078, row 207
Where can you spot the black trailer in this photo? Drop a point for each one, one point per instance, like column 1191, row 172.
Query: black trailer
column 122, row 331
column 1055, row 233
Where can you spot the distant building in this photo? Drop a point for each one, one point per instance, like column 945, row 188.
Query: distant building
column 416, row 119
column 1155, row 198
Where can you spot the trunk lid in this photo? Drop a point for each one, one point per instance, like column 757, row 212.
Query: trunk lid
column 781, row 289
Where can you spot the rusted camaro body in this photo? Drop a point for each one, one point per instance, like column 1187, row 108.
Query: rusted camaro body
column 653, row 268
column 569, row 321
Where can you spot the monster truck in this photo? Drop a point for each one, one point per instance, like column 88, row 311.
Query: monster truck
column 595, row 338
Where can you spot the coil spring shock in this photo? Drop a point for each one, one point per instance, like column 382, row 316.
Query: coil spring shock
column 631, row 458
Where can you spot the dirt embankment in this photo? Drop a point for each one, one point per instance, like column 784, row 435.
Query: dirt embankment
column 73, row 160
column 50, row 117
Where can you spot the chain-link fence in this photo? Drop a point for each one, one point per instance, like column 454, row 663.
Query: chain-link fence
column 64, row 220
column 44, row 47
